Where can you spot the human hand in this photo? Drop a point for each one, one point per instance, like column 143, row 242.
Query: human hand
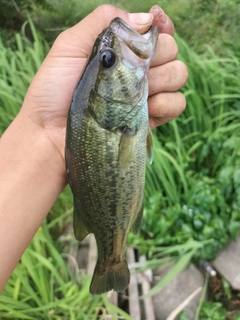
column 49, row 96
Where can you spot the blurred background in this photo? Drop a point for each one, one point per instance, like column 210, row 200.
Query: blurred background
column 192, row 194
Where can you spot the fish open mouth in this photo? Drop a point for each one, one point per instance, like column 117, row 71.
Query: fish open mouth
column 142, row 46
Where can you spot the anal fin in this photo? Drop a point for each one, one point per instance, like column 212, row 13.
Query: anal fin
column 80, row 230
column 150, row 146
column 136, row 226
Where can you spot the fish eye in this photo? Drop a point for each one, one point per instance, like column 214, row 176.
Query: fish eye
column 107, row 58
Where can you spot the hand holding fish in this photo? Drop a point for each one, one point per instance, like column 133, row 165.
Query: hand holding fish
column 51, row 90
column 32, row 148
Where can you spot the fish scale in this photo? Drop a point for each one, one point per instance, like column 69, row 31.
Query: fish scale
column 106, row 148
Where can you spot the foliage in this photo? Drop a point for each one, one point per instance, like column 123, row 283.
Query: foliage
column 13, row 13
column 192, row 188
column 212, row 311
column 183, row 316
column 62, row 16
column 208, row 21
column 199, row 22
column 43, row 286
column 176, row 256
column 17, row 68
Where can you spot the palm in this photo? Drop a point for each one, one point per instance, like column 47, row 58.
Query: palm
column 51, row 91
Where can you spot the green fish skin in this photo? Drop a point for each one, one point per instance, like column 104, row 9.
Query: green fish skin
column 107, row 148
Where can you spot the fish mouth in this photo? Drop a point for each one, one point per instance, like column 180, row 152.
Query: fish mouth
column 132, row 42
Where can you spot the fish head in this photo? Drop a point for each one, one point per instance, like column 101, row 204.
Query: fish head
column 124, row 57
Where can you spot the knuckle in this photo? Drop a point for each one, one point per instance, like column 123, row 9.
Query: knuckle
column 182, row 102
column 62, row 37
column 170, row 43
column 167, row 46
column 182, row 70
column 174, row 46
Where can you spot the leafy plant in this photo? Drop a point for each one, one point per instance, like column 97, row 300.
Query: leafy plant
column 182, row 316
column 212, row 311
column 17, row 69
column 43, row 286
column 192, row 188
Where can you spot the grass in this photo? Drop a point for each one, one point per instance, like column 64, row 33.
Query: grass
column 192, row 187
column 191, row 196
column 44, row 287
column 17, row 69
column 208, row 21
column 183, row 255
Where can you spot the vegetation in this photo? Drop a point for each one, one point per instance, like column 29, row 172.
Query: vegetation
column 44, row 287
column 196, row 161
column 17, row 68
column 208, row 21
column 192, row 189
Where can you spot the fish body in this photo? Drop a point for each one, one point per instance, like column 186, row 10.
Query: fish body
column 106, row 147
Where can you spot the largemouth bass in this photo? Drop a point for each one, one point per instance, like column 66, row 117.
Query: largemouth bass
column 107, row 143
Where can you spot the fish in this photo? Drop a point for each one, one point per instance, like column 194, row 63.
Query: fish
column 108, row 141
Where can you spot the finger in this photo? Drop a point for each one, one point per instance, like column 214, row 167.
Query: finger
column 171, row 77
column 162, row 21
column 164, row 107
column 166, row 50
column 139, row 21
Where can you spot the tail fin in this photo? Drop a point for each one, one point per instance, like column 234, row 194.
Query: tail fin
column 116, row 277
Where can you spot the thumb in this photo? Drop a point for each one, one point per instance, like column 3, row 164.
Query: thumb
column 101, row 17
column 92, row 25
column 81, row 37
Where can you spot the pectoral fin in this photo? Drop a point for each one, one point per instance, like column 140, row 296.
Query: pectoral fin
column 125, row 152
column 150, row 146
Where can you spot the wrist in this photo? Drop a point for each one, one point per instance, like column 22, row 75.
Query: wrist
column 32, row 170
column 32, row 175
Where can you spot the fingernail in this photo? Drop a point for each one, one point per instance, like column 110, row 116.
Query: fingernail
column 140, row 18
column 158, row 12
